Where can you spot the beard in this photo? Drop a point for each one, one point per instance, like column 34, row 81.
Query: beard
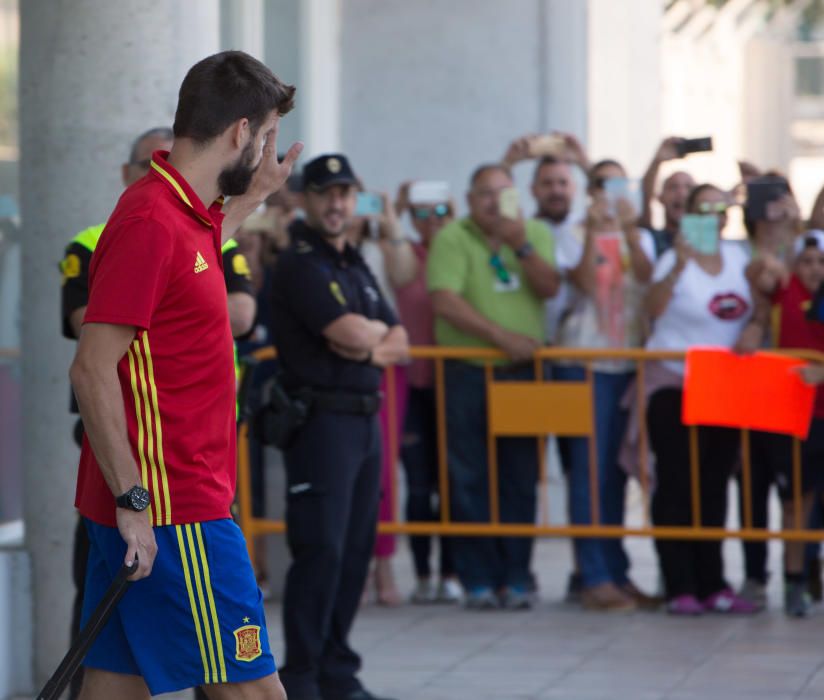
column 236, row 178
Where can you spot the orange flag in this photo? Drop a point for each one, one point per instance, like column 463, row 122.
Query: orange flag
column 759, row 391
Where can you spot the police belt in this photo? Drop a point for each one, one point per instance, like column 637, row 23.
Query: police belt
column 336, row 402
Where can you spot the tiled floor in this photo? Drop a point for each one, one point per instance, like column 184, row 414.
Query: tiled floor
column 559, row 652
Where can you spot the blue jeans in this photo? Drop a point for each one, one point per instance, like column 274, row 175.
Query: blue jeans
column 600, row 560
column 487, row 561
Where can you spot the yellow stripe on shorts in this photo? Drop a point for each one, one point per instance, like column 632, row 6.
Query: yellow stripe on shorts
column 187, row 576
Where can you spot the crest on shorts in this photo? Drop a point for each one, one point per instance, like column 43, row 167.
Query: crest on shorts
column 247, row 643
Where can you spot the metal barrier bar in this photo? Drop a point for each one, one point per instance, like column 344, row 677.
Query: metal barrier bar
column 695, row 478
column 492, row 452
column 798, row 506
column 643, row 440
column 443, row 469
column 746, row 477
column 592, row 445
column 253, row 526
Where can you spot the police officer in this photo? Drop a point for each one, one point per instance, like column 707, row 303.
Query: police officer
column 74, row 298
column 335, row 334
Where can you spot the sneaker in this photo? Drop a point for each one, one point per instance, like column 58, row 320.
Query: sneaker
column 516, row 598
column 449, row 591
column 607, row 597
column 481, row 598
column 797, row 601
column 755, row 592
column 726, row 602
column 685, row 605
column 575, row 586
column 424, row 593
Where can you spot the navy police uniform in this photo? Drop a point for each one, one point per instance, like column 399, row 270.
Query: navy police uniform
column 333, row 463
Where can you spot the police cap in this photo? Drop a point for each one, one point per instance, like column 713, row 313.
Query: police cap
column 327, row 170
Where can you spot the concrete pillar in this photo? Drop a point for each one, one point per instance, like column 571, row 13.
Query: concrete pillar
column 93, row 74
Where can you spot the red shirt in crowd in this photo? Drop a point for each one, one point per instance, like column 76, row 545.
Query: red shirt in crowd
column 158, row 268
column 791, row 328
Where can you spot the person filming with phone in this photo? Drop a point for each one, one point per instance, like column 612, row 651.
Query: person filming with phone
column 488, row 275
column 608, row 262
column 700, row 296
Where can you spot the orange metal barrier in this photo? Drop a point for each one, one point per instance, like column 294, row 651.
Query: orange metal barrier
column 539, row 409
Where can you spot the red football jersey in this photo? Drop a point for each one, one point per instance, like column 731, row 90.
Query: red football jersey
column 158, row 267
column 791, row 329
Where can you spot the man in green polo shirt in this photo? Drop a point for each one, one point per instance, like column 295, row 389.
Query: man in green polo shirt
column 488, row 275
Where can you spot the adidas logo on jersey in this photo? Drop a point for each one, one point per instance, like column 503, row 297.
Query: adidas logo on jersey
column 200, row 263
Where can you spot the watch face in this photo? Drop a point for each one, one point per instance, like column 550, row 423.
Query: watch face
column 139, row 498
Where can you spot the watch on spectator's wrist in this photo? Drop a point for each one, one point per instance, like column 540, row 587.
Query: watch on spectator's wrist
column 524, row 251
column 136, row 498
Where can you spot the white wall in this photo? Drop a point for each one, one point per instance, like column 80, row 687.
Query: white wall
column 431, row 89
column 15, row 616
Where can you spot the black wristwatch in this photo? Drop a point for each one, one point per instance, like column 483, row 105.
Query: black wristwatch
column 136, row 498
column 524, row 251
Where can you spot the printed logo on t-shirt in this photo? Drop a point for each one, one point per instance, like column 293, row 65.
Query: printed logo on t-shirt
column 512, row 284
column 728, row 306
column 200, row 263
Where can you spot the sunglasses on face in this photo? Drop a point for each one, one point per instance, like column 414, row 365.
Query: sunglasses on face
column 713, row 207
column 423, row 213
column 500, row 269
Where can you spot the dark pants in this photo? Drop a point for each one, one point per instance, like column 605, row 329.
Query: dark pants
column 333, row 488
column 419, row 453
column 762, row 475
column 487, row 561
column 689, row 567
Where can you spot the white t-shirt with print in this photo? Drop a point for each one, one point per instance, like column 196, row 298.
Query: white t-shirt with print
column 705, row 309
column 582, row 324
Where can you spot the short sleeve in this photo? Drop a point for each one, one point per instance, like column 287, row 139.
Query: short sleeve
column 568, row 250
column 309, row 290
column 236, row 273
column 74, row 292
column 129, row 273
column 446, row 267
column 663, row 266
column 647, row 242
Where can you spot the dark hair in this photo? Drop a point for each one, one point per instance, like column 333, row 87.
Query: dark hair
column 160, row 132
column 486, row 167
column 770, row 175
column 223, row 88
column 595, row 182
column 545, row 161
column 697, row 190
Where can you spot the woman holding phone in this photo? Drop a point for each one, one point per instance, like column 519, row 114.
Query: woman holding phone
column 700, row 296
column 609, row 263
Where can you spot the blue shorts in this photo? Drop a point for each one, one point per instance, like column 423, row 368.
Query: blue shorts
column 197, row 619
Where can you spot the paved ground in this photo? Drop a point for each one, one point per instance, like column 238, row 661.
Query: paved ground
column 559, row 652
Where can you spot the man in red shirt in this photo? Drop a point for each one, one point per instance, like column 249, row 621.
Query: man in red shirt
column 154, row 378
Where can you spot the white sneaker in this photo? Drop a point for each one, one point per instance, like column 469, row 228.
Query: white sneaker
column 425, row 593
column 449, row 591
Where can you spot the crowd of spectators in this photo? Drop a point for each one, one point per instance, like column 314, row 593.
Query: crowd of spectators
column 518, row 276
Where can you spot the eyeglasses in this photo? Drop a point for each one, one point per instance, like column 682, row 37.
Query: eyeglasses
column 423, row 213
column 500, row 269
column 713, row 207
